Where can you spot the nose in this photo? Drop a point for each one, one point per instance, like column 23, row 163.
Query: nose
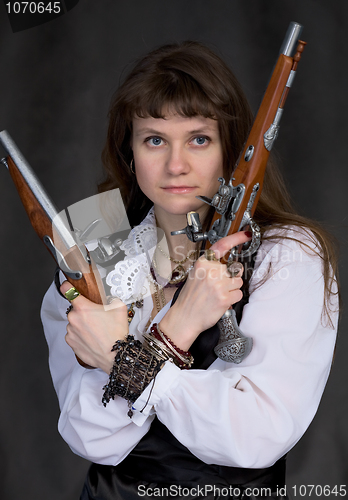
column 177, row 161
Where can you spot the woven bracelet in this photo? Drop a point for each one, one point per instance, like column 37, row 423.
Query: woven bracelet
column 133, row 369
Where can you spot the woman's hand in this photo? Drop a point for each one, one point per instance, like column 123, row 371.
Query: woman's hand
column 208, row 292
column 93, row 329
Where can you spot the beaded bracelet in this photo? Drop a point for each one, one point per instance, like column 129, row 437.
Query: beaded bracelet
column 181, row 358
column 133, row 369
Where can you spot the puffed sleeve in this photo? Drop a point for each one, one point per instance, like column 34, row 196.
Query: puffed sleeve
column 99, row 434
column 251, row 414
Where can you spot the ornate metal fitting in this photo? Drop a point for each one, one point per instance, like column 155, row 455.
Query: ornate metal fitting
column 249, row 248
column 272, row 133
column 233, row 346
column 226, row 202
column 249, row 153
column 193, row 230
column 270, row 136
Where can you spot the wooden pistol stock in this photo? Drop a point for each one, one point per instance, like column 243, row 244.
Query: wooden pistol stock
column 73, row 259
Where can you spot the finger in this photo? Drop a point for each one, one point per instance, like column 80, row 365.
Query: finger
column 236, row 296
column 65, row 287
column 236, row 284
column 224, row 245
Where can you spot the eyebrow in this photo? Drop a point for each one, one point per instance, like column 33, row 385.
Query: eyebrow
column 152, row 131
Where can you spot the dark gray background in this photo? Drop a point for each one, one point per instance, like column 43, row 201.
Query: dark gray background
column 55, row 86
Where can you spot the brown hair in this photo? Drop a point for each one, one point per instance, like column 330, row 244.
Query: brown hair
column 193, row 80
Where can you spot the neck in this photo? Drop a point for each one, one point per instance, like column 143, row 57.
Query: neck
column 177, row 246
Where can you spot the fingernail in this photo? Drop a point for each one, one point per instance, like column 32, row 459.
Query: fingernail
column 249, row 234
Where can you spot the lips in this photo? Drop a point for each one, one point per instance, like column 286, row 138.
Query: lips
column 179, row 189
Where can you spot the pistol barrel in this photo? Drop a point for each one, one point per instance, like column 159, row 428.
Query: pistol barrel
column 36, row 188
column 291, row 38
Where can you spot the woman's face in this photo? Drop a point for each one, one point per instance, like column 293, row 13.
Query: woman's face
column 177, row 159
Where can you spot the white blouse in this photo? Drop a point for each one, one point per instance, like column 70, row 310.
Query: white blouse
column 246, row 415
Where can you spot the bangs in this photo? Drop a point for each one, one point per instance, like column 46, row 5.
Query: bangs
column 180, row 94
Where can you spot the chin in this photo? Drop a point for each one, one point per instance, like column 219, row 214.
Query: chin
column 183, row 208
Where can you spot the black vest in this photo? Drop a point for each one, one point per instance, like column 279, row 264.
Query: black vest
column 161, row 467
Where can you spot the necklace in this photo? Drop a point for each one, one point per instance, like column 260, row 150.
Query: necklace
column 179, row 273
column 138, row 304
column 188, row 256
column 160, row 300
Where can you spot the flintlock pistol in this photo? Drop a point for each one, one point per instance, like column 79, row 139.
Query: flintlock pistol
column 235, row 203
column 64, row 242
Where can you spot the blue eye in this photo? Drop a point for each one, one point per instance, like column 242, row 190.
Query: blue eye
column 154, row 141
column 200, row 141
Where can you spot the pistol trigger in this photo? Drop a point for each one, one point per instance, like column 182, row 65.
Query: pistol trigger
column 59, row 258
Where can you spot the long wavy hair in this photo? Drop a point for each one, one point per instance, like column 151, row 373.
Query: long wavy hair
column 191, row 79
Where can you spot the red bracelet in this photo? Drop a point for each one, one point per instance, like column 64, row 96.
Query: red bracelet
column 183, row 358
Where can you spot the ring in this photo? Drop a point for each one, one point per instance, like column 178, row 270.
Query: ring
column 210, row 255
column 234, row 268
column 71, row 294
column 69, row 309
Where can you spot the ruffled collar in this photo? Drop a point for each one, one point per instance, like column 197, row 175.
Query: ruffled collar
column 129, row 280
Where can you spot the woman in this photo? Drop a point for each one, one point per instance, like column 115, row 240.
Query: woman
column 177, row 124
